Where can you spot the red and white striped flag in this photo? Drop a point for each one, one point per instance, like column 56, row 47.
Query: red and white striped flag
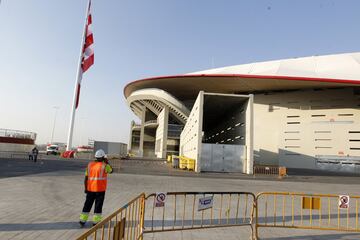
column 87, row 57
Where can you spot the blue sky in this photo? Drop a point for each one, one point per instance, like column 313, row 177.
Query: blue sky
column 39, row 50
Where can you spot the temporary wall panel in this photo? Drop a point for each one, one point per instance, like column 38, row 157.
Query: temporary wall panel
column 111, row 148
column 222, row 157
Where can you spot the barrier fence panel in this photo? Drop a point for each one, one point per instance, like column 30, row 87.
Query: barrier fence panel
column 115, row 163
column 124, row 224
column 307, row 211
column 197, row 210
column 270, row 170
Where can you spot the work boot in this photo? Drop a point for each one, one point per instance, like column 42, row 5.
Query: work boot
column 96, row 218
column 83, row 218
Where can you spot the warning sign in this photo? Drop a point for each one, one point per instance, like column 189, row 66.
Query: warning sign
column 344, row 201
column 205, row 203
column 160, row 199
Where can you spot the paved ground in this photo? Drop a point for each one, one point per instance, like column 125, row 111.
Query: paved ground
column 43, row 200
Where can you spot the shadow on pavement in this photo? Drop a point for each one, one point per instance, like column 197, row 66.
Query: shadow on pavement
column 22, row 167
column 10, row 227
column 314, row 172
column 318, row 237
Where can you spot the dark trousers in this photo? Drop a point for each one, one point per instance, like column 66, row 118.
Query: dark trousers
column 33, row 157
column 98, row 197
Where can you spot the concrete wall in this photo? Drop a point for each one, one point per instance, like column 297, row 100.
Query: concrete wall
column 191, row 136
column 12, row 147
column 249, row 135
column 161, row 133
column 291, row 128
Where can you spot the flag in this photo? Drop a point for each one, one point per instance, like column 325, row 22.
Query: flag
column 87, row 57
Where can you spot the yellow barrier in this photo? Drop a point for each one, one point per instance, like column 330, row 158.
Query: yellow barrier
column 186, row 163
column 191, row 164
column 169, row 159
column 282, row 171
column 125, row 223
column 183, row 162
column 180, row 211
column 270, row 170
column 199, row 210
column 306, row 211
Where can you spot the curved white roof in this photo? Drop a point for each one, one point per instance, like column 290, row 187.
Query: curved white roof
column 335, row 66
column 336, row 70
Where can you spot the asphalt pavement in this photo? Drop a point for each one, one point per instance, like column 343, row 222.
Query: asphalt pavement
column 43, row 200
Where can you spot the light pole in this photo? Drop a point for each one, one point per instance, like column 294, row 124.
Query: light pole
column 52, row 134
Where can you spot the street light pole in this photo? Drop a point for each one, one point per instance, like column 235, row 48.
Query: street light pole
column 52, row 134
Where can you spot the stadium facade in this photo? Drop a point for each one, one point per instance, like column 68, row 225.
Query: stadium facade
column 299, row 113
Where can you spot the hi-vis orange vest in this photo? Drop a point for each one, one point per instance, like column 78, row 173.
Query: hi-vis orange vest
column 97, row 177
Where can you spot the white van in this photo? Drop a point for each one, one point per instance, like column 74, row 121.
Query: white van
column 52, row 149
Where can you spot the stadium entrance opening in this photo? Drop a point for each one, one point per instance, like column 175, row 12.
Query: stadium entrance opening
column 226, row 133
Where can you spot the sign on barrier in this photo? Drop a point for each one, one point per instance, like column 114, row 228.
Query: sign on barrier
column 205, row 203
column 160, row 199
column 344, row 201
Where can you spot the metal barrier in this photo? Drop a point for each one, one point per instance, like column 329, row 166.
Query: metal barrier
column 124, row 224
column 179, row 211
column 19, row 155
column 115, row 163
column 307, row 211
column 270, row 170
column 198, row 210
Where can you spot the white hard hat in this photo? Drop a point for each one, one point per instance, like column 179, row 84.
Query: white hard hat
column 100, row 153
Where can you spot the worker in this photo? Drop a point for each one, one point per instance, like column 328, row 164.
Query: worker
column 95, row 187
column 34, row 153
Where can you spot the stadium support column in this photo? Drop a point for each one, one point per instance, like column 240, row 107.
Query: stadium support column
column 141, row 143
column 162, row 133
column 165, row 131
column 130, row 136
column 250, row 135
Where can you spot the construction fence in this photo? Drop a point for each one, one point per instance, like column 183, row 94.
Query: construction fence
column 180, row 211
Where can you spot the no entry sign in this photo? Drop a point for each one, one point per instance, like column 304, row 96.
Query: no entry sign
column 160, row 199
column 344, row 201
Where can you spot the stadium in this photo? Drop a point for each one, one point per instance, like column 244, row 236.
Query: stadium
column 299, row 113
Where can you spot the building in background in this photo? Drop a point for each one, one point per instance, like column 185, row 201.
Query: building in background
column 112, row 149
column 16, row 141
column 298, row 113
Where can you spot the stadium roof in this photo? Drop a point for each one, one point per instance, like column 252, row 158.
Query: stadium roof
column 299, row 73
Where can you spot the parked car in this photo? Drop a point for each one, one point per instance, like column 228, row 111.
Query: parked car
column 52, row 149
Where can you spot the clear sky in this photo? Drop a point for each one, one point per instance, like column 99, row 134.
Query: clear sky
column 40, row 44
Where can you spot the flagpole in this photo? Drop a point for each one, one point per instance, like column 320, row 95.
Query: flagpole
column 77, row 81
